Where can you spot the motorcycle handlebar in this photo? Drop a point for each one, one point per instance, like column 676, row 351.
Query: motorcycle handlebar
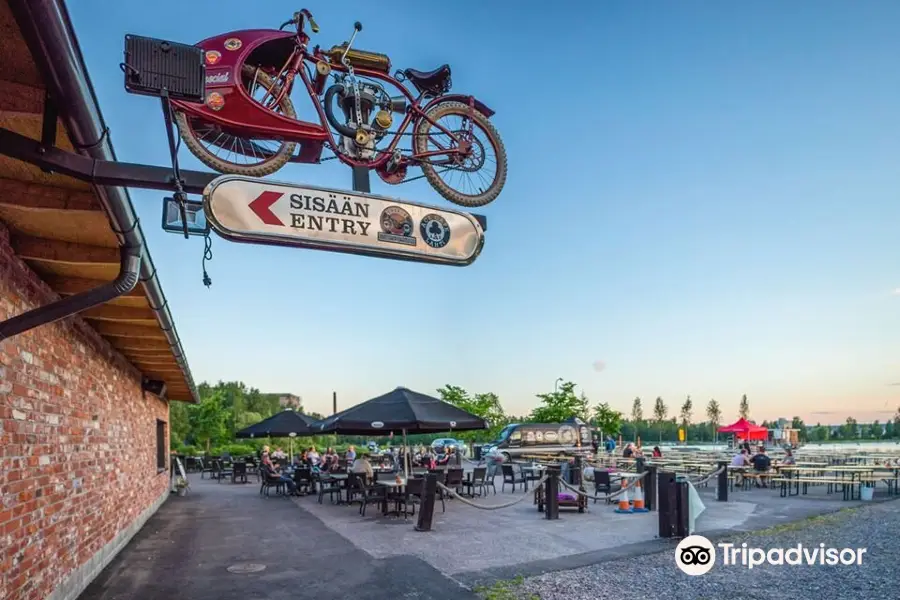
column 298, row 20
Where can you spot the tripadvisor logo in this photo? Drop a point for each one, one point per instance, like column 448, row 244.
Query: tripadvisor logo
column 696, row 555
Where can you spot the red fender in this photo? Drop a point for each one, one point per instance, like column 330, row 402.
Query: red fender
column 481, row 106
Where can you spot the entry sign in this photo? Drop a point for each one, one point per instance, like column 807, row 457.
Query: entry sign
column 243, row 209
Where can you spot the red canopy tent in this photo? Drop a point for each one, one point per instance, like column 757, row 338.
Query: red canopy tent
column 746, row 430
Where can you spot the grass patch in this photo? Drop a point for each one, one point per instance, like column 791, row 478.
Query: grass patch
column 509, row 589
column 834, row 517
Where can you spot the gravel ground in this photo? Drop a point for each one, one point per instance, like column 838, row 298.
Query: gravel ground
column 875, row 527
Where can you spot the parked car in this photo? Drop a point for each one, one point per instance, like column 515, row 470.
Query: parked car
column 457, row 445
column 541, row 438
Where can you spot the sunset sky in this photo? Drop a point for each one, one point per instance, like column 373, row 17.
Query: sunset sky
column 701, row 196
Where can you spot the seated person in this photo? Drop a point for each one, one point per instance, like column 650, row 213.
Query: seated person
column 741, row 459
column 443, row 458
column 761, row 464
column 362, row 466
column 628, row 452
column 273, row 474
column 657, row 453
column 788, row 457
column 312, row 456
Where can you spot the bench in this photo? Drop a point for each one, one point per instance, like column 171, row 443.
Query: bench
column 847, row 485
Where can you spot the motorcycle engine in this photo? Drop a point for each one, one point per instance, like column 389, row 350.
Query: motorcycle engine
column 359, row 139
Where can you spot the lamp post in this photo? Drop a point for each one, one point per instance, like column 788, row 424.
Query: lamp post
column 556, row 384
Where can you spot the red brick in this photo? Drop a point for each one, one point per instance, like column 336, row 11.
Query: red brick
column 76, row 393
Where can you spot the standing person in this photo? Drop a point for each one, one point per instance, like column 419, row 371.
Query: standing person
column 351, row 454
column 610, row 444
column 595, row 444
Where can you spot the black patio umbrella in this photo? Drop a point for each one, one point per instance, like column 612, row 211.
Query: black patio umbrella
column 400, row 411
column 287, row 423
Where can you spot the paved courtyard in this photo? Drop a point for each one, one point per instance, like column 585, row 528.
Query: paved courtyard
column 313, row 550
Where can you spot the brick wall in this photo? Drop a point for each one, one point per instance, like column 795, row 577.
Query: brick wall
column 77, row 443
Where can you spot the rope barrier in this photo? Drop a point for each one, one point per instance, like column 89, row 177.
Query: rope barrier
column 610, row 496
column 705, row 478
column 493, row 507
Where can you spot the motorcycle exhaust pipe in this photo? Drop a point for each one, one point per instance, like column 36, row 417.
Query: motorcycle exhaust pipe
column 398, row 104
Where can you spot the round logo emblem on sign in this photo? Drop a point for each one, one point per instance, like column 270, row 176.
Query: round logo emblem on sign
column 396, row 227
column 452, row 424
column 396, row 221
column 233, row 44
column 435, row 230
column 213, row 57
column 377, row 424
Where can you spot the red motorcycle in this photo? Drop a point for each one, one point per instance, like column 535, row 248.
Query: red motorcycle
column 249, row 118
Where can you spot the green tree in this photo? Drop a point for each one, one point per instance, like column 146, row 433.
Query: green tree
column 660, row 410
column 687, row 410
column 849, row 429
column 875, row 430
column 560, row 405
column 246, row 419
column 486, row 405
column 744, row 408
column 897, row 423
column 819, row 433
column 714, row 414
column 609, row 421
column 209, row 420
column 889, row 430
column 797, row 423
column 637, row 412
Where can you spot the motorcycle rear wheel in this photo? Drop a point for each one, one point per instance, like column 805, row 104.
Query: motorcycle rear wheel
column 481, row 125
column 272, row 160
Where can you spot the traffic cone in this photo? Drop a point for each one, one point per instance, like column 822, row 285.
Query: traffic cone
column 624, row 504
column 639, row 498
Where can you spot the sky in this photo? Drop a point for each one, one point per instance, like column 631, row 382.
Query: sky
column 702, row 198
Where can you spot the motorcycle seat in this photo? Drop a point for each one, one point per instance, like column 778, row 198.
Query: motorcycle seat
column 432, row 83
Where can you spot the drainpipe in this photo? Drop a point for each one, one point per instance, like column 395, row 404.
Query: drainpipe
column 47, row 29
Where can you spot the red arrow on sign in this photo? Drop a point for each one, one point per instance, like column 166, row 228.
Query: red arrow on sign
column 262, row 205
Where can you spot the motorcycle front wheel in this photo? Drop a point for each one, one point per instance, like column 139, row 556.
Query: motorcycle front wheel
column 472, row 180
column 243, row 156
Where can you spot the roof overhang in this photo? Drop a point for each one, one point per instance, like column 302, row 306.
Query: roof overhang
column 68, row 231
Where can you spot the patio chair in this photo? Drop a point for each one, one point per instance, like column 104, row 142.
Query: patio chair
column 476, row 482
column 376, row 494
column 304, row 479
column 330, row 486
column 268, row 482
column 206, row 466
column 489, row 477
column 510, row 477
column 239, row 472
column 455, row 480
column 411, row 495
column 602, row 483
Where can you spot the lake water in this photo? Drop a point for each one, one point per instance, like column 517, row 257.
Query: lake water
column 840, row 446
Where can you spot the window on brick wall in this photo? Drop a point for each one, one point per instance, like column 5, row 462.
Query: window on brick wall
column 161, row 446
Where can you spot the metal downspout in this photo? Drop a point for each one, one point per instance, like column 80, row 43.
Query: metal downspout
column 47, row 29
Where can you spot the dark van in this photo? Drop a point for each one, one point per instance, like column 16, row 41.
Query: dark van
column 541, row 438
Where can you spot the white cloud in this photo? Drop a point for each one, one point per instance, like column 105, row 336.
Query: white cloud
column 599, row 365
column 896, row 292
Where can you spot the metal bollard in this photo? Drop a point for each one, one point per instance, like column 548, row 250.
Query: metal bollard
column 722, row 489
column 551, row 493
column 668, row 504
column 576, row 472
column 426, row 509
column 649, row 483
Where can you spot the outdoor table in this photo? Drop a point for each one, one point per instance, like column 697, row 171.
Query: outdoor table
column 391, row 484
